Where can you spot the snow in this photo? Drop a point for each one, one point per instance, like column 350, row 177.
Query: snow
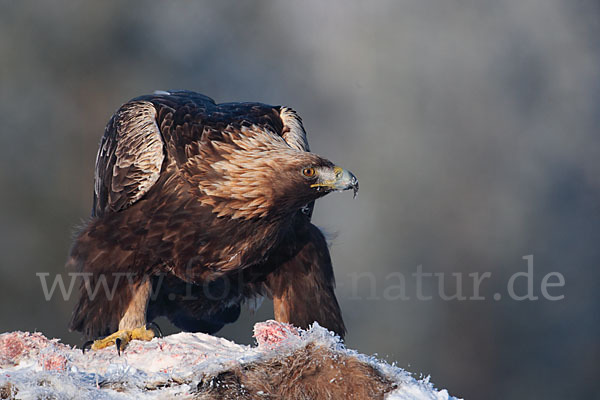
column 32, row 366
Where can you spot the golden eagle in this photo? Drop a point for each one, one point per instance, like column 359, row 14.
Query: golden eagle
column 197, row 208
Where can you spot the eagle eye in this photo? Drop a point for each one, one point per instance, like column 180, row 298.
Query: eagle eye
column 309, row 172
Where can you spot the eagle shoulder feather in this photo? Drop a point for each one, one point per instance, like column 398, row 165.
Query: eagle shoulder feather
column 129, row 159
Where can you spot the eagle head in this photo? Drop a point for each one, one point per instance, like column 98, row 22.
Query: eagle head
column 251, row 173
column 308, row 176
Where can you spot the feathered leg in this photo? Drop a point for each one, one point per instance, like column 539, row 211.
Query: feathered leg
column 132, row 325
column 303, row 285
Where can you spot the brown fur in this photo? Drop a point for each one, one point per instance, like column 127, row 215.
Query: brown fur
column 312, row 372
column 8, row 391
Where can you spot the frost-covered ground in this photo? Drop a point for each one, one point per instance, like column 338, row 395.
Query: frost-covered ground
column 32, row 366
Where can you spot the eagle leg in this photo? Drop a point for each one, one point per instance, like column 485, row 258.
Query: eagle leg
column 303, row 285
column 132, row 325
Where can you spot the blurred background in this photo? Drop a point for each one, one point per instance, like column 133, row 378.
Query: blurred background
column 473, row 127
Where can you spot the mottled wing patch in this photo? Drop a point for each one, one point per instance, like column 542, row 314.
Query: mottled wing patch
column 129, row 158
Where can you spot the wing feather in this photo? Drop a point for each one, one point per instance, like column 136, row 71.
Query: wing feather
column 293, row 131
column 129, row 159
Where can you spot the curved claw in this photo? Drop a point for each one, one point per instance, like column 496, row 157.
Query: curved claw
column 118, row 343
column 154, row 326
column 87, row 345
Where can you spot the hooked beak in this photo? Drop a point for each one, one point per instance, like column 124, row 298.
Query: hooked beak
column 344, row 180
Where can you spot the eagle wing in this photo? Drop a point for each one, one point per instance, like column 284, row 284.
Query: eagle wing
column 129, row 159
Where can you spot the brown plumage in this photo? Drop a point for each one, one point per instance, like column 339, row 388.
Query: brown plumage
column 198, row 207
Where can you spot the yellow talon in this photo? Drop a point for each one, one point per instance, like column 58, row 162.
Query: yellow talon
column 122, row 337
